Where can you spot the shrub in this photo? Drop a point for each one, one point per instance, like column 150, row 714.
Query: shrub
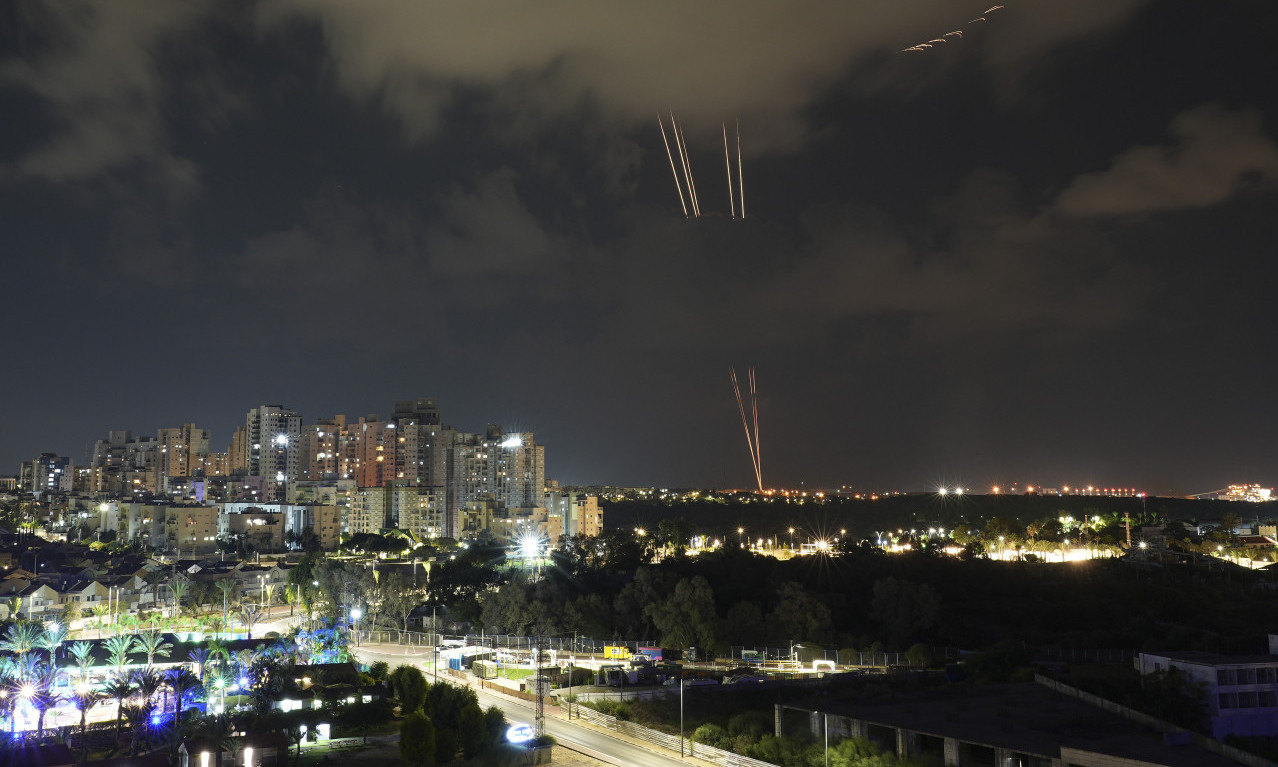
column 417, row 741
column 410, row 687
column 750, row 723
column 379, row 670
column 494, row 726
column 471, row 731
column 712, row 735
column 445, row 745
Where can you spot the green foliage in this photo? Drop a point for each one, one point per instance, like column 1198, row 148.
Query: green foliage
column 471, row 731
column 410, row 687
column 617, row 708
column 417, row 741
column 687, row 616
column 999, row 663
column 494, row 726
column 919, row 654
column 446, row 744
column 445, row 702
column 750, row 723
column 378, row 670
column 360, row 716
column 712, row 735
column 904, row 608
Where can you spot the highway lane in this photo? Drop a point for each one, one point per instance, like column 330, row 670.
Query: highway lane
column 522, row 712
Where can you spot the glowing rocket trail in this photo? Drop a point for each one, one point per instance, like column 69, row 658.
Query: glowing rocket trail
column 670, row 157
column 727, row 164
column 754, row 415
column 687, row 169
column 958, row 33
column 752, row 439
column 740, row 176
column 692, row 183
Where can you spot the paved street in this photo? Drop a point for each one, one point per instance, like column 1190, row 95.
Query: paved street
column 620, row 751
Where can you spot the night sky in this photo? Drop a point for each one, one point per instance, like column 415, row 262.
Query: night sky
column 1043, row 252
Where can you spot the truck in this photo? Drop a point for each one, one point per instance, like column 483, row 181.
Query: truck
column 617, row 652
column 659, row 654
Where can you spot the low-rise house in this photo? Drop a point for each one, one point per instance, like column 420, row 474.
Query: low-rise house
column 38, row 601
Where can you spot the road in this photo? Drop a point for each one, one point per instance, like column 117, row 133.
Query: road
column 522, row 712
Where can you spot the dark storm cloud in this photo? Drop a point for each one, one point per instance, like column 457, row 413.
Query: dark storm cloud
column 101, row 88
column 1213, row 155
column 471, row 201
column 709, row 62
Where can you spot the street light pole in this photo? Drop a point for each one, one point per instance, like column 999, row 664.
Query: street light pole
column 681, row 714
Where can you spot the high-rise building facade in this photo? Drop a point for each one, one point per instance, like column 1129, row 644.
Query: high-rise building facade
column 182, row 450
column 274, row 433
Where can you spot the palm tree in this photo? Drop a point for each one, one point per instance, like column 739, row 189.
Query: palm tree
column 217, row 649
column 83, row 653
column 152, row 643
column 250, row 616
column 20, row 638
column 227, row 586
column 40, row 689
column 178, row 589
column 147, row 682
column 182, row 682
column 119, row 687
column 200, row 657
column 53, row 635
column 85, row 697
column 118, row 649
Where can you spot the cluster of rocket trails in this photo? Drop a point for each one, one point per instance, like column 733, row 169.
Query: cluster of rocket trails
column 955, row 34
column 685, row 163
column 752, row 438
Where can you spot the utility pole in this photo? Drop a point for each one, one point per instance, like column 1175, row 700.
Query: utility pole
column 540, row 721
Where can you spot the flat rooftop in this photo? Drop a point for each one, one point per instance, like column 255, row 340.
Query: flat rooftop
column 1028, row 718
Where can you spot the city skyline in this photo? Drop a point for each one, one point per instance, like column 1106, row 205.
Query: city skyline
column 1040, row 250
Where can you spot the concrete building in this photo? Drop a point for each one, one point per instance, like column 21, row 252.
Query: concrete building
column 507, row 468
column 47, row 473
column 375, row 446
column 423, row 443
column 189, row 530
column 321, row 449
column 574, row 514
column 367, row 511
column 260, row 529
column 274, row 434
column 182, row 450
column 998, row 725
column 420, row 510
column 1242, row 690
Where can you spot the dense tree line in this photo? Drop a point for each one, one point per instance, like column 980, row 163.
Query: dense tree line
column 863, row 597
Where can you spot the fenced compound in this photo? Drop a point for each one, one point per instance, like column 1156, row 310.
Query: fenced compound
column 590, row 646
